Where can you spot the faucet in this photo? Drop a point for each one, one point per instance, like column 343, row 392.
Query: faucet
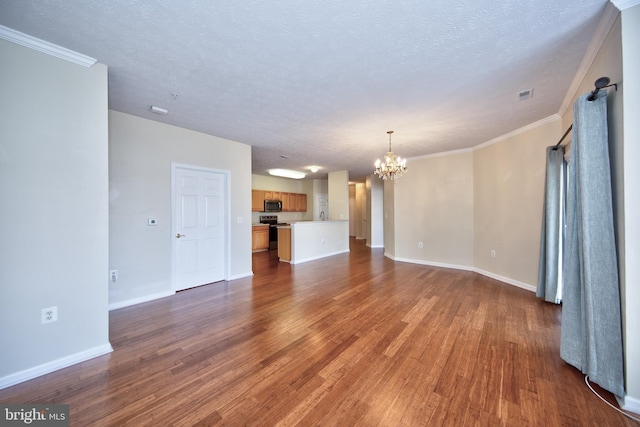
column 321, row 215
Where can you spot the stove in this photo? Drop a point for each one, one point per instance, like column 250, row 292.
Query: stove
column 272, row 220
column 268, row 219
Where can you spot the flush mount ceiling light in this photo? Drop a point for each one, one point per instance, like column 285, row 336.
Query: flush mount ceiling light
column 314, row 169
column 285, row 173
column 393, row 166
column 159, row 110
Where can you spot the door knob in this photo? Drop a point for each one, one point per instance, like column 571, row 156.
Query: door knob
column 180, row 235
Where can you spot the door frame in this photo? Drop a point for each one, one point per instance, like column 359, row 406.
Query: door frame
column 227, row 216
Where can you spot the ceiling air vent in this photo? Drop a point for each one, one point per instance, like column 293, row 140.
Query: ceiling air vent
column 525, row 94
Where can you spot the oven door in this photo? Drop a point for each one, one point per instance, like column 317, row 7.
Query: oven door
column 273, row 237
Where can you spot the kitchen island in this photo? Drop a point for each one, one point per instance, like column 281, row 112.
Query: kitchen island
column 304, row 241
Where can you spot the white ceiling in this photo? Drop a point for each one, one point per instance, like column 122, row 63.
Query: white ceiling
column 321, row 82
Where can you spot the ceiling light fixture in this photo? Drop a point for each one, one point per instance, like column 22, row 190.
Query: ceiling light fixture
column 159, row 110
column 314, row 169
column 393, row 166
column 285, row 173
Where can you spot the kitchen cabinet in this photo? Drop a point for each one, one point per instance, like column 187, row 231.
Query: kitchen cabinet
column 260, row 237
column 257, row 200
column 272, row 195
column 301, row 202
column 286, row 202
column 291, row 202
column 284, row 244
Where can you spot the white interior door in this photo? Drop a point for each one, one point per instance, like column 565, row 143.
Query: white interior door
column 199, row 227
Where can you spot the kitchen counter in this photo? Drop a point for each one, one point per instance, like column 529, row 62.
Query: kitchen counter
column 303, row 241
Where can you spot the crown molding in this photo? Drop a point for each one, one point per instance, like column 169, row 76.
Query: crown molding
column 550, row 119
column 604, row 26
column 625, row 4
column 26, row 40
column 441, row 154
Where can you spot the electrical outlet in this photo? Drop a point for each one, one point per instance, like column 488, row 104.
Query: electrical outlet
column 420, row 245
column 49, row 315
column 493, row 253
column 113, row 274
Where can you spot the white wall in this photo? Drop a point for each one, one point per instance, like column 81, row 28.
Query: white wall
column 141, row 152
column 434, row 206
column 631, row 280
column 389, row 219
column 54, row 212
column 375, row 207
column 361, row 219
column 508, row 188
column 339, row 195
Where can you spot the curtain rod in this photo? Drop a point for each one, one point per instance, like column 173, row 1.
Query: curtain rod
column 563, row 137
column 601, row 83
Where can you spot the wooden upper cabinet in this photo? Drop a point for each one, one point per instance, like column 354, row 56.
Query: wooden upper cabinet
column 257, row 200
column 291, row 202
column 288, row 202
column 301, row 202
column 272, row 195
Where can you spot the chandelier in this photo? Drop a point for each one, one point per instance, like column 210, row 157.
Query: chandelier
column 393, row 166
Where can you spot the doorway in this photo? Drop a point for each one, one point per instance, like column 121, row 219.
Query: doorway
column 200, row 226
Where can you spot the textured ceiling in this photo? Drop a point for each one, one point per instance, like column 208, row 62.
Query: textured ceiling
column 321, row 82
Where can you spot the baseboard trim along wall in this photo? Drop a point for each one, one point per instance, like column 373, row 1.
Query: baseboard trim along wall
column 433, row 263
column 46, row 368
column 629, row 403
column 241, row 276
column 158, row 295
column 507, row 280
column 140, row 300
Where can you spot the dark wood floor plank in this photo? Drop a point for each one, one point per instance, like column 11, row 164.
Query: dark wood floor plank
column 353, row 339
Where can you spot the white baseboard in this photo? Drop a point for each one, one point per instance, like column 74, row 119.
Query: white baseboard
column 140, row 300
column 54, row 365
column 158, row 295
column 434, row 264
column 507, row 280
column 241, row 275
column 300, row 261
column 629, row 403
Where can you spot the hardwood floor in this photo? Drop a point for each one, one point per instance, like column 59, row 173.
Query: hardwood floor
column 354, row 339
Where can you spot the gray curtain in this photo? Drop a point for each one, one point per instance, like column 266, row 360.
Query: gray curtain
column 591, row 337
column 552, row 234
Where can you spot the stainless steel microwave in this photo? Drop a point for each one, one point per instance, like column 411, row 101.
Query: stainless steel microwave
column 272, row 206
